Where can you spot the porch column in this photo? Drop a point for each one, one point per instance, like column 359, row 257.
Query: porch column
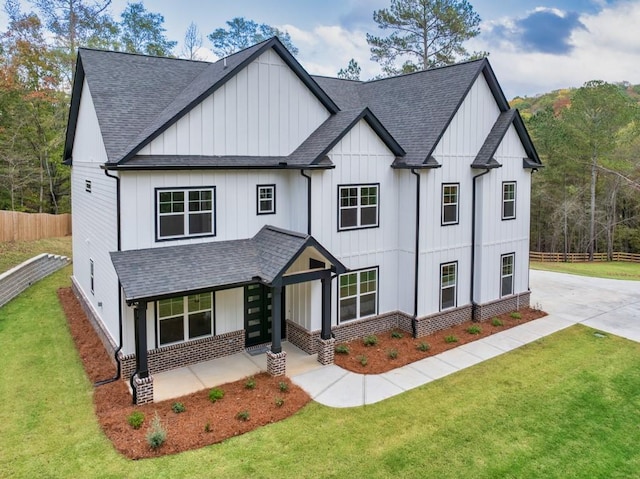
column 326, row 308
column 140, row 315
column 276, row 319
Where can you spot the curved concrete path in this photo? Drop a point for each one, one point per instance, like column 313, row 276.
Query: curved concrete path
column 612, row 306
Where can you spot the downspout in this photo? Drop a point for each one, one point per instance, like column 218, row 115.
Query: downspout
column 414, row 320
column 474, row 305
column 117, row 351
column 308, row 201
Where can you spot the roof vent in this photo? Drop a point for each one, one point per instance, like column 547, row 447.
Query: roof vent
column 224, row 62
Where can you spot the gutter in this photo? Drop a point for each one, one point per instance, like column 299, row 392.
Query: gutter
column 474, row 305
column 119, row 348
column 308, row 201
column 414, row 320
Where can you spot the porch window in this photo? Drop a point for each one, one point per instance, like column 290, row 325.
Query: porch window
column 509, row 200
column 357, row 207
column 448, row 285
column 185, row 318
column 506, row 274
column 358, row 294
column 266, row 198
column 185, row 212
column 450, row 204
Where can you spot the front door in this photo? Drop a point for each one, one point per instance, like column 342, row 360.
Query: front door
column 257, row 314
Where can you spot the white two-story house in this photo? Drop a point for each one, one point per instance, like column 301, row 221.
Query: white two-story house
column 219, row 206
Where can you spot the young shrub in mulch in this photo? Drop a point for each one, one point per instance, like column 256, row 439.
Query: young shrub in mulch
column 496, row 322
column 396, row 335
column 243, row 416
column 283, row 386
column 341, row 349
column 451, row 339
column 423, row 346
column 157, row 434
column 515, row 315
column 362, row 360
column 250, row 383
column 178, row 407
column 370, row 340
column 135, row 419
column 474, row 329
column 216, row 394
column 392, row 354
column 279, row 402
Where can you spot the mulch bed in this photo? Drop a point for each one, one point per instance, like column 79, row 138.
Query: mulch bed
column 185, row 430
column 377, row 357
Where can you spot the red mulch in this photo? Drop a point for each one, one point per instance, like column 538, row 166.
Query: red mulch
column 186, row 430
column 378, row 360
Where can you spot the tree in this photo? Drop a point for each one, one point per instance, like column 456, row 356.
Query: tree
column 192, row 42
column 243, row 33
column 351, row 72
column 143, row 32
column 424, row 34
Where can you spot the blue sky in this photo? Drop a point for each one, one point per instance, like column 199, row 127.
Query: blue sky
column 535, row 45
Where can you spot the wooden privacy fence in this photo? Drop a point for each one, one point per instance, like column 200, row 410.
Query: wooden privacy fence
column 15, row 226
column 582, row 257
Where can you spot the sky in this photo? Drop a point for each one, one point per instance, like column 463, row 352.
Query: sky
column 535, row 46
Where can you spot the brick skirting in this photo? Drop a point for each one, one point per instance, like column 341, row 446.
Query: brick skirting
column 143, row 389
column 326, row 351
column 514, row 302
column 183, row 354
column 442, row 320
column 364, row 327
column 301, row 338
column 277, row 363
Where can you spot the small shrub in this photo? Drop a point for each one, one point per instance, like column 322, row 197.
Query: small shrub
column 363, row 360
column 157, row 434
column 283, row 386
column 342, row 349
column 279, row 402
column 450, row 339
column 424, row 347
column 178, row 407
column 515, row 315
column 207, row 427
column 215, row 394
column 371, row 340
column 243, row 415
column 135, row 419
column 392, row 353
column 496, row 322
column 250, row 383
column 396, row 335
column 474, row 329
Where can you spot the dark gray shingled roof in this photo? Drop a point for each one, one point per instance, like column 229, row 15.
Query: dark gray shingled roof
column 162, row 272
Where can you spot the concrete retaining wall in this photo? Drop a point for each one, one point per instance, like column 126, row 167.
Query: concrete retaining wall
column 16, row 280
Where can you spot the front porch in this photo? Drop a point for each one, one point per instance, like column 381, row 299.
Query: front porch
column 208, row 374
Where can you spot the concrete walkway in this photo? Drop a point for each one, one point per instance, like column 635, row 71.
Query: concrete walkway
column 612, row 306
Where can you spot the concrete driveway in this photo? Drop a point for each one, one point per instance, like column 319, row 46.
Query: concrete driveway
column 609, row 305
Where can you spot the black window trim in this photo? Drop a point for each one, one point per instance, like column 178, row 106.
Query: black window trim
column 357, row 228
column 513, row 273
column 515, row 200
column 214, row 220
column 269, row 185
column 457, row 221
column 367, row 268
column 156, row 321
column 455, row 298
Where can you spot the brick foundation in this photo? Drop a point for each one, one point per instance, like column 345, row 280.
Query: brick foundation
column 364, row 327
column 277, row 363
column 502, row 305
column 183, row 354
column 326, row 350
column 301, row 338
column 144, row 389
column 442, row 320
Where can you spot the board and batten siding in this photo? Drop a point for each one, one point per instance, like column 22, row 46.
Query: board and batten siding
column 496, row 236
column 265, row 110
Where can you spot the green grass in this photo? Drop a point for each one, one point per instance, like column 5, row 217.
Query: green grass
column 566, row 406
column 610, row 270
column 12, row 253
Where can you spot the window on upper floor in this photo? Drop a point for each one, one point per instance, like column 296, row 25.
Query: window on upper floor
column 508, row 200
column 91, row 275
column 506, row 274
column 448, row 285
column 266, row 199
column 358, row 206
column 450, row 203
column 185, row 318
column 358, row 294
column 185, row 212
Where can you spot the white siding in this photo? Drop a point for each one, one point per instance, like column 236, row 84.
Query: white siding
column 229, row 314
column 263, row 110
column 88, row 146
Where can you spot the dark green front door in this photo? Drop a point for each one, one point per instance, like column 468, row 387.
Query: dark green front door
column 257, row 314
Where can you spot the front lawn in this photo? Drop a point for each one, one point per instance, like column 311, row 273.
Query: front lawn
column 12, row 253
column 565, row 406
column 602, row 269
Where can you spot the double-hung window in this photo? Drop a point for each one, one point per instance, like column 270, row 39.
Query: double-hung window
column 358, row 294
column 184, row 318
column 506, row 274
column 185, row 212
column 448, row 285
column 450, row 203
column 509, row 200
column 266, row 199
column 92, row 276
column 358, row 206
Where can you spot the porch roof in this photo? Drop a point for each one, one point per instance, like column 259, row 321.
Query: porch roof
column 155, row 273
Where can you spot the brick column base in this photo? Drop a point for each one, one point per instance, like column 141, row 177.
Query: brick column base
column 277, row 363
column 144, row 389
column 326, row 350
